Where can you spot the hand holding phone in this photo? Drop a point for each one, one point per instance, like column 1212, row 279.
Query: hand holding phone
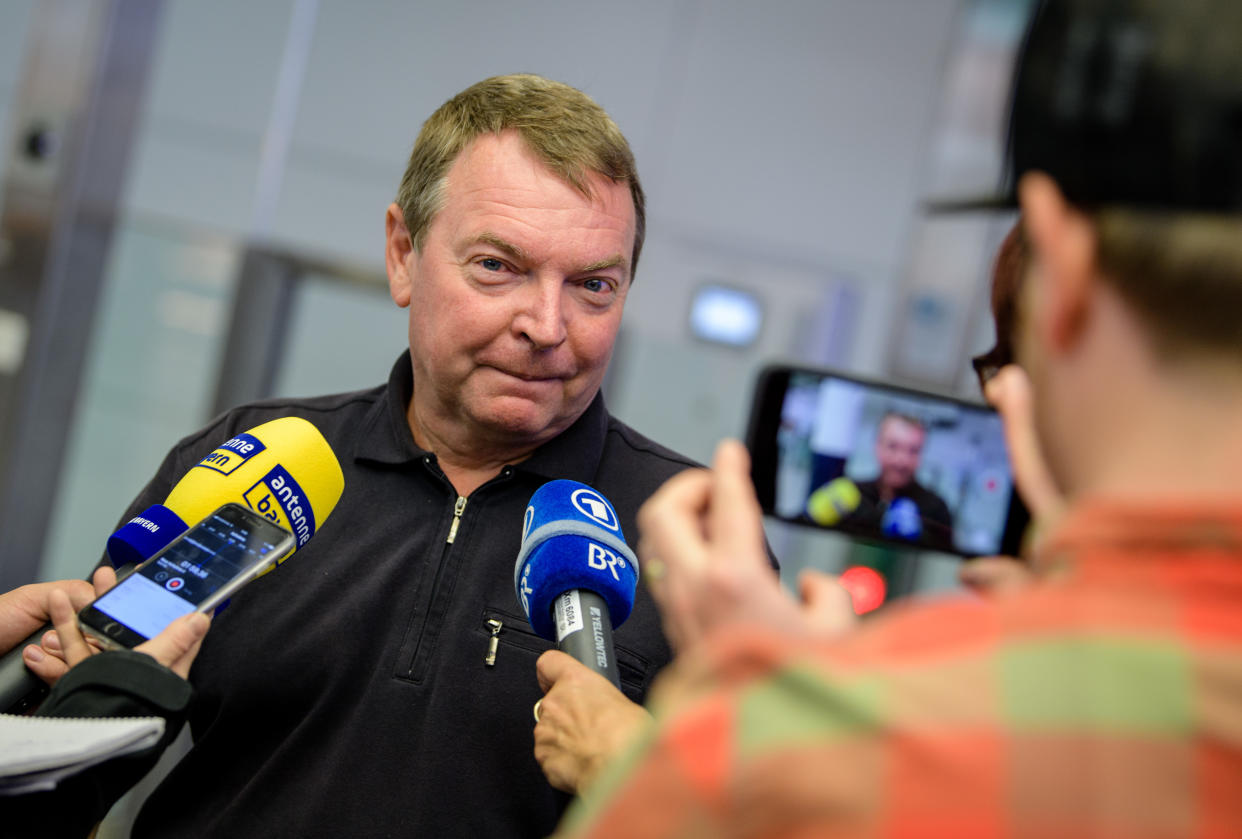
column 174, row 647
column 195, row 573
column 44, row 654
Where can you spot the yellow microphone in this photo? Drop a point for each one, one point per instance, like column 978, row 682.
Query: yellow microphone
column 833, row 501
column 283, row 469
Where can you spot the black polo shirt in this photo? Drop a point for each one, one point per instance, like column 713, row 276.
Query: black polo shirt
column 346, row 693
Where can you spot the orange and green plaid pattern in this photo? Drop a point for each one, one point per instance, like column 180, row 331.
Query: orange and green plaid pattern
column 1106, row 703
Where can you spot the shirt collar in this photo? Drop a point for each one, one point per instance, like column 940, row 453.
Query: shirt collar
column 384, row 434
column 1100, row 535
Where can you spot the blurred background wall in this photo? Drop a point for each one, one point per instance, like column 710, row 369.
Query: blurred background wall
column 193, row 202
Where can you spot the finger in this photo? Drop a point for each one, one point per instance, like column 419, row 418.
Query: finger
column 1009, row 391
column 552, row 666
column 178, row 639
column 65, row 619
column 182, row 665
column 826, row 604
column 51, row 643
column 555, row 765
column 734, row 518
column 995, row 575
column 80, row 592
column 46, row 667
column 103, row 579
column 671, row 520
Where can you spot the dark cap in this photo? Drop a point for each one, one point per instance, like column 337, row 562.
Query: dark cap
column 1129, row 103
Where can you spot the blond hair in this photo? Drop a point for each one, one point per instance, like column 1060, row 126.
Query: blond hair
column 564, row 127
column 1180, row 272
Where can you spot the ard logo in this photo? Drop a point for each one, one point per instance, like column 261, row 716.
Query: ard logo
column 232, row 454
column 592, row 505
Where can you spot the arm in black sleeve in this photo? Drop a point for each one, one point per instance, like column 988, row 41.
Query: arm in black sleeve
column 111, row 684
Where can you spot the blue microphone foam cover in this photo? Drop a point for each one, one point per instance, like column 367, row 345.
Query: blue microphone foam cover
column 144, row 535
column 572, row 539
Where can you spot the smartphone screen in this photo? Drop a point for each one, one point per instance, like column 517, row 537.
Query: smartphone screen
column 883, row 463
column 197, row 571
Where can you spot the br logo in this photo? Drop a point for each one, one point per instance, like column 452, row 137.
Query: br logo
column 592, row 505
column 600, row 558
column 526, row 590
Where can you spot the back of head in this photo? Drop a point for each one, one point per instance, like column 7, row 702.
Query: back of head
column 561, row 125
column 1134, row 108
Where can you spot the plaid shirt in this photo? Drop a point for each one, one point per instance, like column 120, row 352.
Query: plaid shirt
column 1105, row 702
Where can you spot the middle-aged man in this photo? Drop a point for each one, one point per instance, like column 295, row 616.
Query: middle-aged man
column 895, row 502
column 351, row 693
column 1106, row 699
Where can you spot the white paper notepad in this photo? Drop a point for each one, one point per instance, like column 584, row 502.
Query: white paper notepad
column 36, row 752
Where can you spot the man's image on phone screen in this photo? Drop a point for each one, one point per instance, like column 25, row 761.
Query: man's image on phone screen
column 877, row 461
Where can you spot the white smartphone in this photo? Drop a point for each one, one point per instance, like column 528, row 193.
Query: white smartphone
column 196, row 572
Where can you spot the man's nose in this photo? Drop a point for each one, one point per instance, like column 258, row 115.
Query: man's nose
column 541, row 319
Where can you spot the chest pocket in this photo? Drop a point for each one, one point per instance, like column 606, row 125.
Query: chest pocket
column 505, row 637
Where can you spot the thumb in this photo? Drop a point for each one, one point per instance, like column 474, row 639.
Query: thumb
column 995, row 575
column 178, row 638
column 552, row 666
column 826, row 604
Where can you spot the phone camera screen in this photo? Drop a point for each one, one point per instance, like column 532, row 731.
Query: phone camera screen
column 892, row 465
column 187, row 573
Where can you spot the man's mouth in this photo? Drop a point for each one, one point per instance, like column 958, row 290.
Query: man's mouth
column 533, row 376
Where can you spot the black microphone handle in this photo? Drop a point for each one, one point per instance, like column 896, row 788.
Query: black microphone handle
column 19, row 688
column 588, row 636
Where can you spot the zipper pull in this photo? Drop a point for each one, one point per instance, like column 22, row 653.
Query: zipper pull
column 458, row 509
column 493, row 642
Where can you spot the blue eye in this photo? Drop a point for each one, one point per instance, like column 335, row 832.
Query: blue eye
column 490, row 264
column 595, row 284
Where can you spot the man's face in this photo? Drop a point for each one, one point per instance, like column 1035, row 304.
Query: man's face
column 898, row 447
column 515, row 298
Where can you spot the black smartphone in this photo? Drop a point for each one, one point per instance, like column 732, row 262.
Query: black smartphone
column 196, row 572
column 883, row 463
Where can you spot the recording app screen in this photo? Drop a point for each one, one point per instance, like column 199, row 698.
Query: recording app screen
column 908, row 467
column 210, row 555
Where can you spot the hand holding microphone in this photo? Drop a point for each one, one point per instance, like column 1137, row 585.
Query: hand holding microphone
column 576, row 579
column 26, row 608
column 575, row 576
column 583, row 722
column 283, row 469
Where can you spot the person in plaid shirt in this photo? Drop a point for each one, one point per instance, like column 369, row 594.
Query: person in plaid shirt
column 1105, row 699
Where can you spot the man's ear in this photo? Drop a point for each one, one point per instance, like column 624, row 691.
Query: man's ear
column 1063, row 247
column 398, row 247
